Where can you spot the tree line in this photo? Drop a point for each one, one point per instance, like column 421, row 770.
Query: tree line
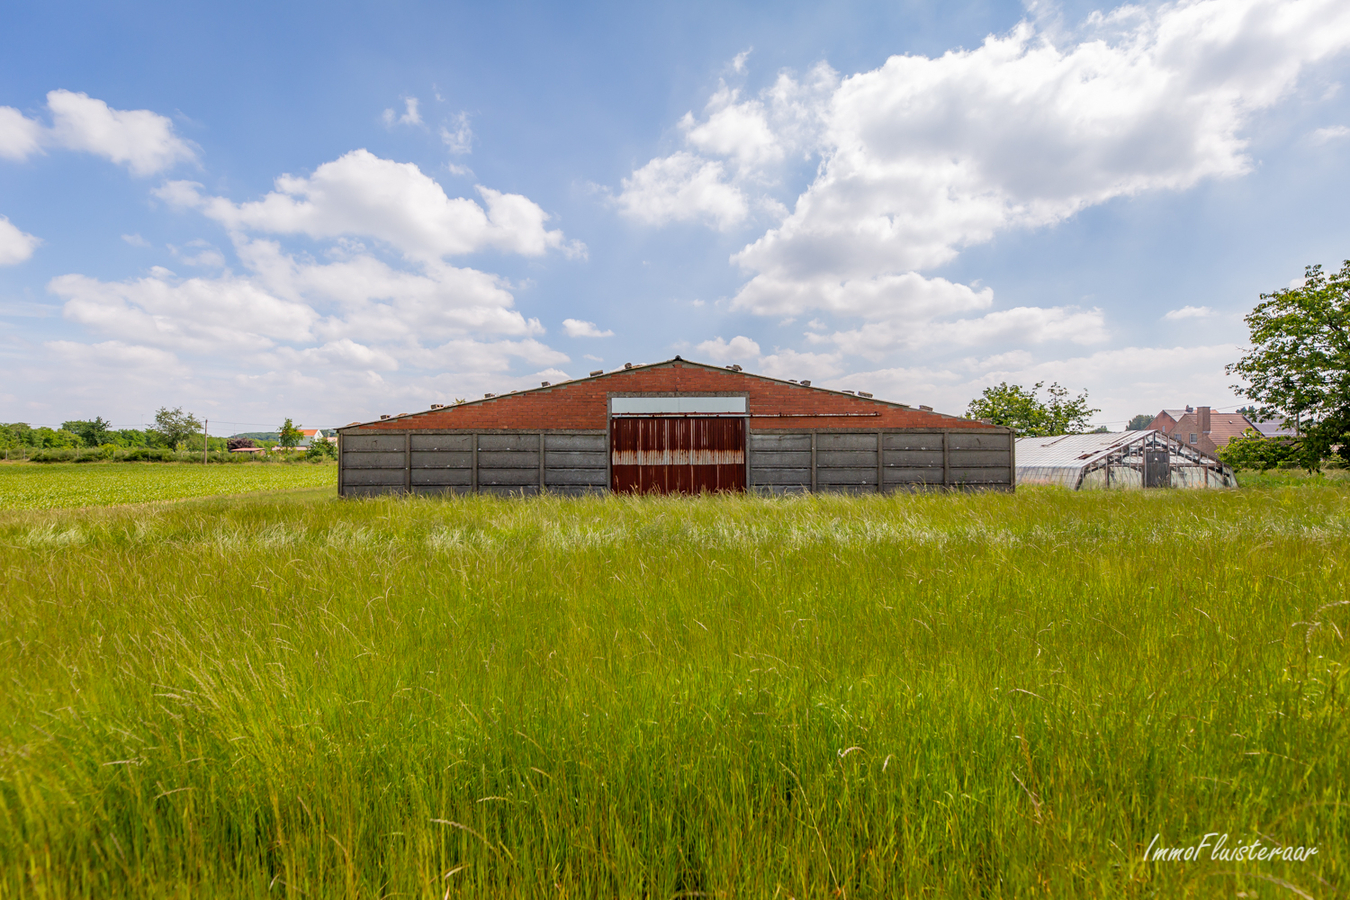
column 173, row 430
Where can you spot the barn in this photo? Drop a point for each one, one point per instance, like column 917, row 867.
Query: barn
column 1122, row 459
column 672, row 427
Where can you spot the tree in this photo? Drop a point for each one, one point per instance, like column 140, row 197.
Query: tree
column 1024, row 412
column 175, row 426
column 1139, row 422
column 290, row 435
column 321, row 449
column 94, row 433
column 1298, row 367
column 239, row 443
column 1253, row 450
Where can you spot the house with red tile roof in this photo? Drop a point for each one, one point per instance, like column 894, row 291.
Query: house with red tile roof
column 1201, row 427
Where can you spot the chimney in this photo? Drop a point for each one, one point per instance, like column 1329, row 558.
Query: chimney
column 1202, row 419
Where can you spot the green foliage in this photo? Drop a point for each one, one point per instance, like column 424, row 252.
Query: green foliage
column 320, row 450
column 925, row 696
column 1254, row 451
column 92, row 433
column 1139, row 422
column 132, row 437
column 1298, row 366
column 1027, row 414
column 289, row 435
column 173, row 426
column 20, row 434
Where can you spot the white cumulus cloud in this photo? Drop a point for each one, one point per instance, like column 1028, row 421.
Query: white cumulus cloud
column 362, row 194
column 15, row 245
column 577, row 328
column 1189, row 312
column 142, row 140
column 1329, row 134
column 20, row 136
column 682, row 188
column 722, row 351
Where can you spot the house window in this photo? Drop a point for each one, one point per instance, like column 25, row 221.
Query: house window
column 1193, row 438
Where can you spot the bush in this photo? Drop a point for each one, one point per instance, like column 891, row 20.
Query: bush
column 320, row 450
column 1254, row 451
column 148, row 454
column 110, row 453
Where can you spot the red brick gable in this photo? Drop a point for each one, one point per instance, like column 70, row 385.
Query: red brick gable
column 582, row 404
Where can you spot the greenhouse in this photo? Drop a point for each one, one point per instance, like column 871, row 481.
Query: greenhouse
column 1124, row 459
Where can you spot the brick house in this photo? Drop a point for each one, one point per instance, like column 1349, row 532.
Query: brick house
column 1201, row 427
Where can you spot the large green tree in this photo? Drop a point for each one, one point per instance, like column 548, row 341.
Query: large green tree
column 93, row 432
column 175, row 426
column 1026, row 413
column 289, row 434
column 1298, row 366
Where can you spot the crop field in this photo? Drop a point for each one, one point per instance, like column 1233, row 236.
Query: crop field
column 66, row 485
column 923, row 696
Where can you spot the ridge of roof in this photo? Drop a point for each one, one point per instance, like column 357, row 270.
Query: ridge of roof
column 655, row 365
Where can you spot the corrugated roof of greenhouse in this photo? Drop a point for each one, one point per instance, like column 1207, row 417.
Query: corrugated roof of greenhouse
column 1073, row 450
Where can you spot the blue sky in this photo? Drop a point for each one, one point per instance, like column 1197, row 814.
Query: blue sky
column 331, row 212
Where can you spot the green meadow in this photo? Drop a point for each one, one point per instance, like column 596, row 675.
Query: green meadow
column 287, row 695
column 68, row 485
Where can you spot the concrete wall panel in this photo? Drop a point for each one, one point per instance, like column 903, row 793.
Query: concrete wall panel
column 362, row 442
column 462, row 442
column 372, row 460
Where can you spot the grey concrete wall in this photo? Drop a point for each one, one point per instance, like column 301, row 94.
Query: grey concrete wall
column 519, row 462
column 526, row 462
column 857, row 462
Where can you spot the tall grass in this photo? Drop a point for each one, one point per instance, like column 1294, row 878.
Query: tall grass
column 914, row 696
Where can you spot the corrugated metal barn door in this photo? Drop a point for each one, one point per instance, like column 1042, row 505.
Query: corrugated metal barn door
column 677, row 455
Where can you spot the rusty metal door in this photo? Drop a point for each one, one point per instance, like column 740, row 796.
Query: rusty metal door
column 677, row 454
column 1157, row 467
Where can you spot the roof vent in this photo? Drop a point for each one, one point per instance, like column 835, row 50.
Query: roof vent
column 384, row 416
column 628, row 365
column 805, row 383
column 864, row 394
column 925, row 408
column 543, row 384
column 438, row 406
column 488, row 396
column 597, row 372
column 846, row 392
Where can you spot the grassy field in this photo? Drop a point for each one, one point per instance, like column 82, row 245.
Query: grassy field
column 67, row 485
column 928, row 696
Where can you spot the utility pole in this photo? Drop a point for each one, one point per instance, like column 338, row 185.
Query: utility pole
column 206, row 430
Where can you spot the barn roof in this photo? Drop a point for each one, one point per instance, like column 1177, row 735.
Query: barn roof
column 582, row 403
